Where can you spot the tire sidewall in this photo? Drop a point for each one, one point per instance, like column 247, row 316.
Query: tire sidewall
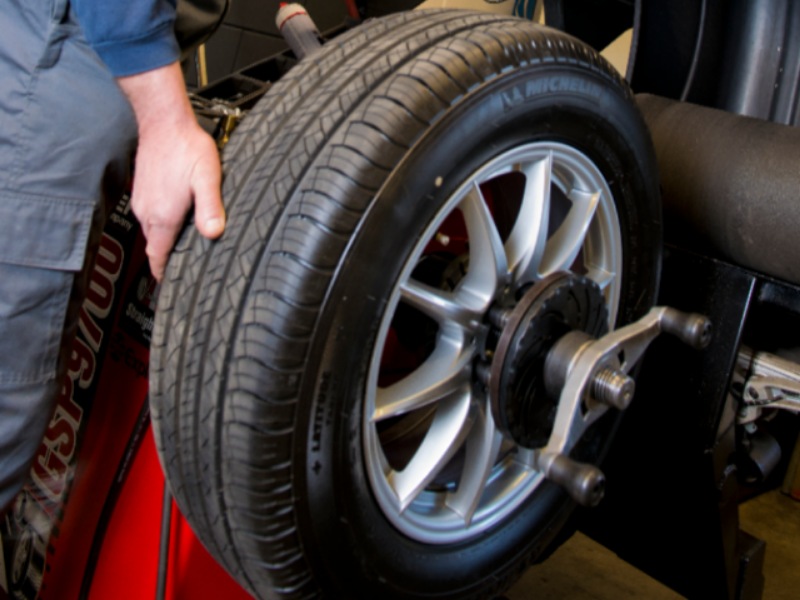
column 354, row 542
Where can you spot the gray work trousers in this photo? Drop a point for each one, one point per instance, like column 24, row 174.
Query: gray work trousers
column 67, row 134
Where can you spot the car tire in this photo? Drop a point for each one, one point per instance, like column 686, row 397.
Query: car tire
column 350, row 190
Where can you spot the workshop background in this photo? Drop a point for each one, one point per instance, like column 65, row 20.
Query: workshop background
column 581, row 569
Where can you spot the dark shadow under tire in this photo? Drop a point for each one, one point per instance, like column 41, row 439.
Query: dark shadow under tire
column 382, row 198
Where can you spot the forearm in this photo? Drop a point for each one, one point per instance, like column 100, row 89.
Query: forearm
column 159, row 99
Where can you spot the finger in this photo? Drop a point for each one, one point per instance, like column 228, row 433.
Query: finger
column 160, row 241
column 157, row 268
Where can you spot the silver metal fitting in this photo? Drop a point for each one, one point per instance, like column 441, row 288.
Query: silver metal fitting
column 585, row 483
column 613, row 388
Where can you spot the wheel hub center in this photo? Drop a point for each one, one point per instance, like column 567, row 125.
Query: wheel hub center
column 558, row 304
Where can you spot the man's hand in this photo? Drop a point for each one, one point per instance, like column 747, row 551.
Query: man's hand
column 177, row 164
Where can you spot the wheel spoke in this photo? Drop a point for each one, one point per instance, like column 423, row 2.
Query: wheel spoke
column 488, row 268
column 609, row 286
column 526, row 458
column 482, row 449
column 443, row 373
column 600, row 276
column 440, row 305
column 566, row 243
column 525, row 245
column 445, row 436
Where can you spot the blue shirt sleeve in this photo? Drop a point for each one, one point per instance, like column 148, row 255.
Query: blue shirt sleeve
column 131, row 36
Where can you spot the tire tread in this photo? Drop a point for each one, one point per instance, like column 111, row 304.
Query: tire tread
column 236, row 317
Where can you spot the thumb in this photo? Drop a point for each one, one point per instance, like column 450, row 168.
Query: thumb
column 209, row 213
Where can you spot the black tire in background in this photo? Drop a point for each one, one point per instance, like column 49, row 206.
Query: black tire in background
column 271, row 345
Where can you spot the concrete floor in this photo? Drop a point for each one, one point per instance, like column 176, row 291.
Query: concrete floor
column 584, row 570
column 775, row 518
